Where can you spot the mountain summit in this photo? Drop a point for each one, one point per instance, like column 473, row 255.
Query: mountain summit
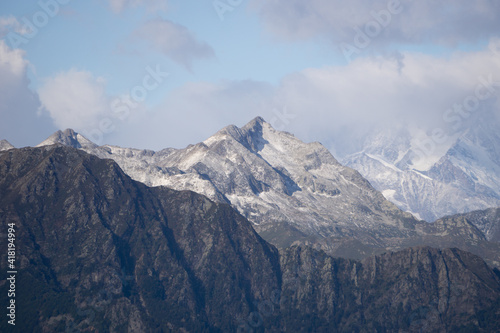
column 69, row 138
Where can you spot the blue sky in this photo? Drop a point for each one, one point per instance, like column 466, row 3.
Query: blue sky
column 291, row 62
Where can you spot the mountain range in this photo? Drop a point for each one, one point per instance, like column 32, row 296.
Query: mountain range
column 99, row 251
column 294, row 193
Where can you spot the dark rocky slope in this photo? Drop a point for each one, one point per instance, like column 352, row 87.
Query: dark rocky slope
column 99, row 252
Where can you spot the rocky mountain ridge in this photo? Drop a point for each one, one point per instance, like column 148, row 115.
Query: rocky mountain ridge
column 293, row 192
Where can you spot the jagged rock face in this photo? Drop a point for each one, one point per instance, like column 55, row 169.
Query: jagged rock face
column 97, row 249
column 432, row 180
column 415, row 290
column 101, row 252
column 5, row 145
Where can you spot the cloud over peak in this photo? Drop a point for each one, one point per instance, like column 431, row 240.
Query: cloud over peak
column 75, row 99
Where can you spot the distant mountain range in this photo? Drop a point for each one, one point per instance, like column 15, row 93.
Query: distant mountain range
column 294, row 193
column 99, row 251
column 432, row 177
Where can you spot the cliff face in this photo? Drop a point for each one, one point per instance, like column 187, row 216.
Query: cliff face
column 100, row 252
column 416, row 290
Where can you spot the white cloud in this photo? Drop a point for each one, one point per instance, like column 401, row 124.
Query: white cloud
column 75, row 99
column 19, row 122
column 174, row 41
column 151, row 5
column 446, row 22
column 12, row 60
